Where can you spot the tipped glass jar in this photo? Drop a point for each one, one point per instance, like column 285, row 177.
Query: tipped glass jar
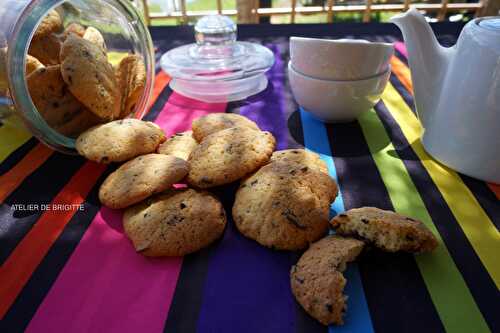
column 34, row 72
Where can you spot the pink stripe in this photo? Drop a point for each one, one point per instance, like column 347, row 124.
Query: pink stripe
column 106, row 286
column 400, row 46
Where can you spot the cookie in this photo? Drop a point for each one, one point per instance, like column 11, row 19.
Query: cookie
column 54, row 101
column 140, row 178
column 175, row 223
column 284, row 207
column 300, row 156
column 209, row 124
column 180, row 145
column 50, row 24
column 317, row 281
column 119, row 140
column 90, row 77
column 385, row 229
column 46, row 49
column 229, row 155
column 73, row 28
column 32, row 64
column 93, row 35
column 132, row 80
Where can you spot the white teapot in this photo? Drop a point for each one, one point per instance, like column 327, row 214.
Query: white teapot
column 457, row 93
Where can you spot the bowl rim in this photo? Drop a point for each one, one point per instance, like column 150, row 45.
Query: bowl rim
column 371, row 78
column 342, row 41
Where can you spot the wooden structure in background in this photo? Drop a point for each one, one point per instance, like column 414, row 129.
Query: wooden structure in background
column 248, row 11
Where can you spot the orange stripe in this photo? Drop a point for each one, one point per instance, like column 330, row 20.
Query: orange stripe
column 161, row 81
column 18, row 268
column 402, row 72
column 10, row 180
column 495, row 188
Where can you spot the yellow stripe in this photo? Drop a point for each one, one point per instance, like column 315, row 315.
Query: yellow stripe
column 475, row 223
column 13, row 135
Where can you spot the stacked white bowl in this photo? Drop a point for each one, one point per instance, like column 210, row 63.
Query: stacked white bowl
column 336, row 80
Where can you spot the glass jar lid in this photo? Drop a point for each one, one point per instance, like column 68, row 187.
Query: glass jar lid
column 217, row 55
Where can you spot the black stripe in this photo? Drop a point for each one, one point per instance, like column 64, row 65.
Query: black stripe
column 475, row 275
column 37, row 189
column 405, row 94
column 395, row 291
column 17, row 155
column 295, row 128
column 159, row 104
column 486, row 198
column 187, row 300
column 39, row 284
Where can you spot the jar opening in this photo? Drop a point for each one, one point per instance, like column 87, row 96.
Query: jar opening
column 123, row 31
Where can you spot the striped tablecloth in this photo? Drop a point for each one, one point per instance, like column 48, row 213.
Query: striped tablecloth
column 67, row 266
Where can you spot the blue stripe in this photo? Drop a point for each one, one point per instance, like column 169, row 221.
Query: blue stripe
column 357, row 319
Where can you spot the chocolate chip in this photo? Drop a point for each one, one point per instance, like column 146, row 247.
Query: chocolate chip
column 365, row 221
column 292, row 218
column 55, row 105
column 254, row 182
column 299, row 280
column 342, row 215
column 292, row 172
column 175, row 220
column 295, row 151
column 206, row 180
column 410, row 238
column 104, row 159
column 183, row 205
column 304, row 169
column 329, row 307
column 145, row 215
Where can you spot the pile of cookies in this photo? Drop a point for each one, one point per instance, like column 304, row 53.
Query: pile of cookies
column 282, row 202
column 72, row 83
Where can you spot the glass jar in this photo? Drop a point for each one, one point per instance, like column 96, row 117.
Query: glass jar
column 121, row 25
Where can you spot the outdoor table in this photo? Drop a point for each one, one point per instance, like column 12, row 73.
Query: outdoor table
column 68, row 267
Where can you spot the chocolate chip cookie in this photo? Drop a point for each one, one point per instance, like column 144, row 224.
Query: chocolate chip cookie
column 132, row 80
column 119, row 140
column 209, row 124
column 284, row 206
column 385, row 229
column 317, row 281
column 140, row 178
column 175, row 223
column 55, row 103
column 228, row 155
column 90, row 77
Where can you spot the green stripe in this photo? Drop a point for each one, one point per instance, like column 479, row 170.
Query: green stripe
column 449, row 293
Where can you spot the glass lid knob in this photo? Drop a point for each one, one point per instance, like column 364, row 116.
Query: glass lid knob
column 215, row 30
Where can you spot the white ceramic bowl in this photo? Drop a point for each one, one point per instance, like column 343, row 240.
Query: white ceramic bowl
column 336, row 101
column 340, row 59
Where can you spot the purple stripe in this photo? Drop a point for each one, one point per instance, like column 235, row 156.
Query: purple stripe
column 268, row 109
column 255, row 294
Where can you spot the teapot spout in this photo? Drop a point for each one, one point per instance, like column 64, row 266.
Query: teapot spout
column 428, row 61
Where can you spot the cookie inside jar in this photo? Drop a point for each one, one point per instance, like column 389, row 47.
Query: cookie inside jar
column 87, row 64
